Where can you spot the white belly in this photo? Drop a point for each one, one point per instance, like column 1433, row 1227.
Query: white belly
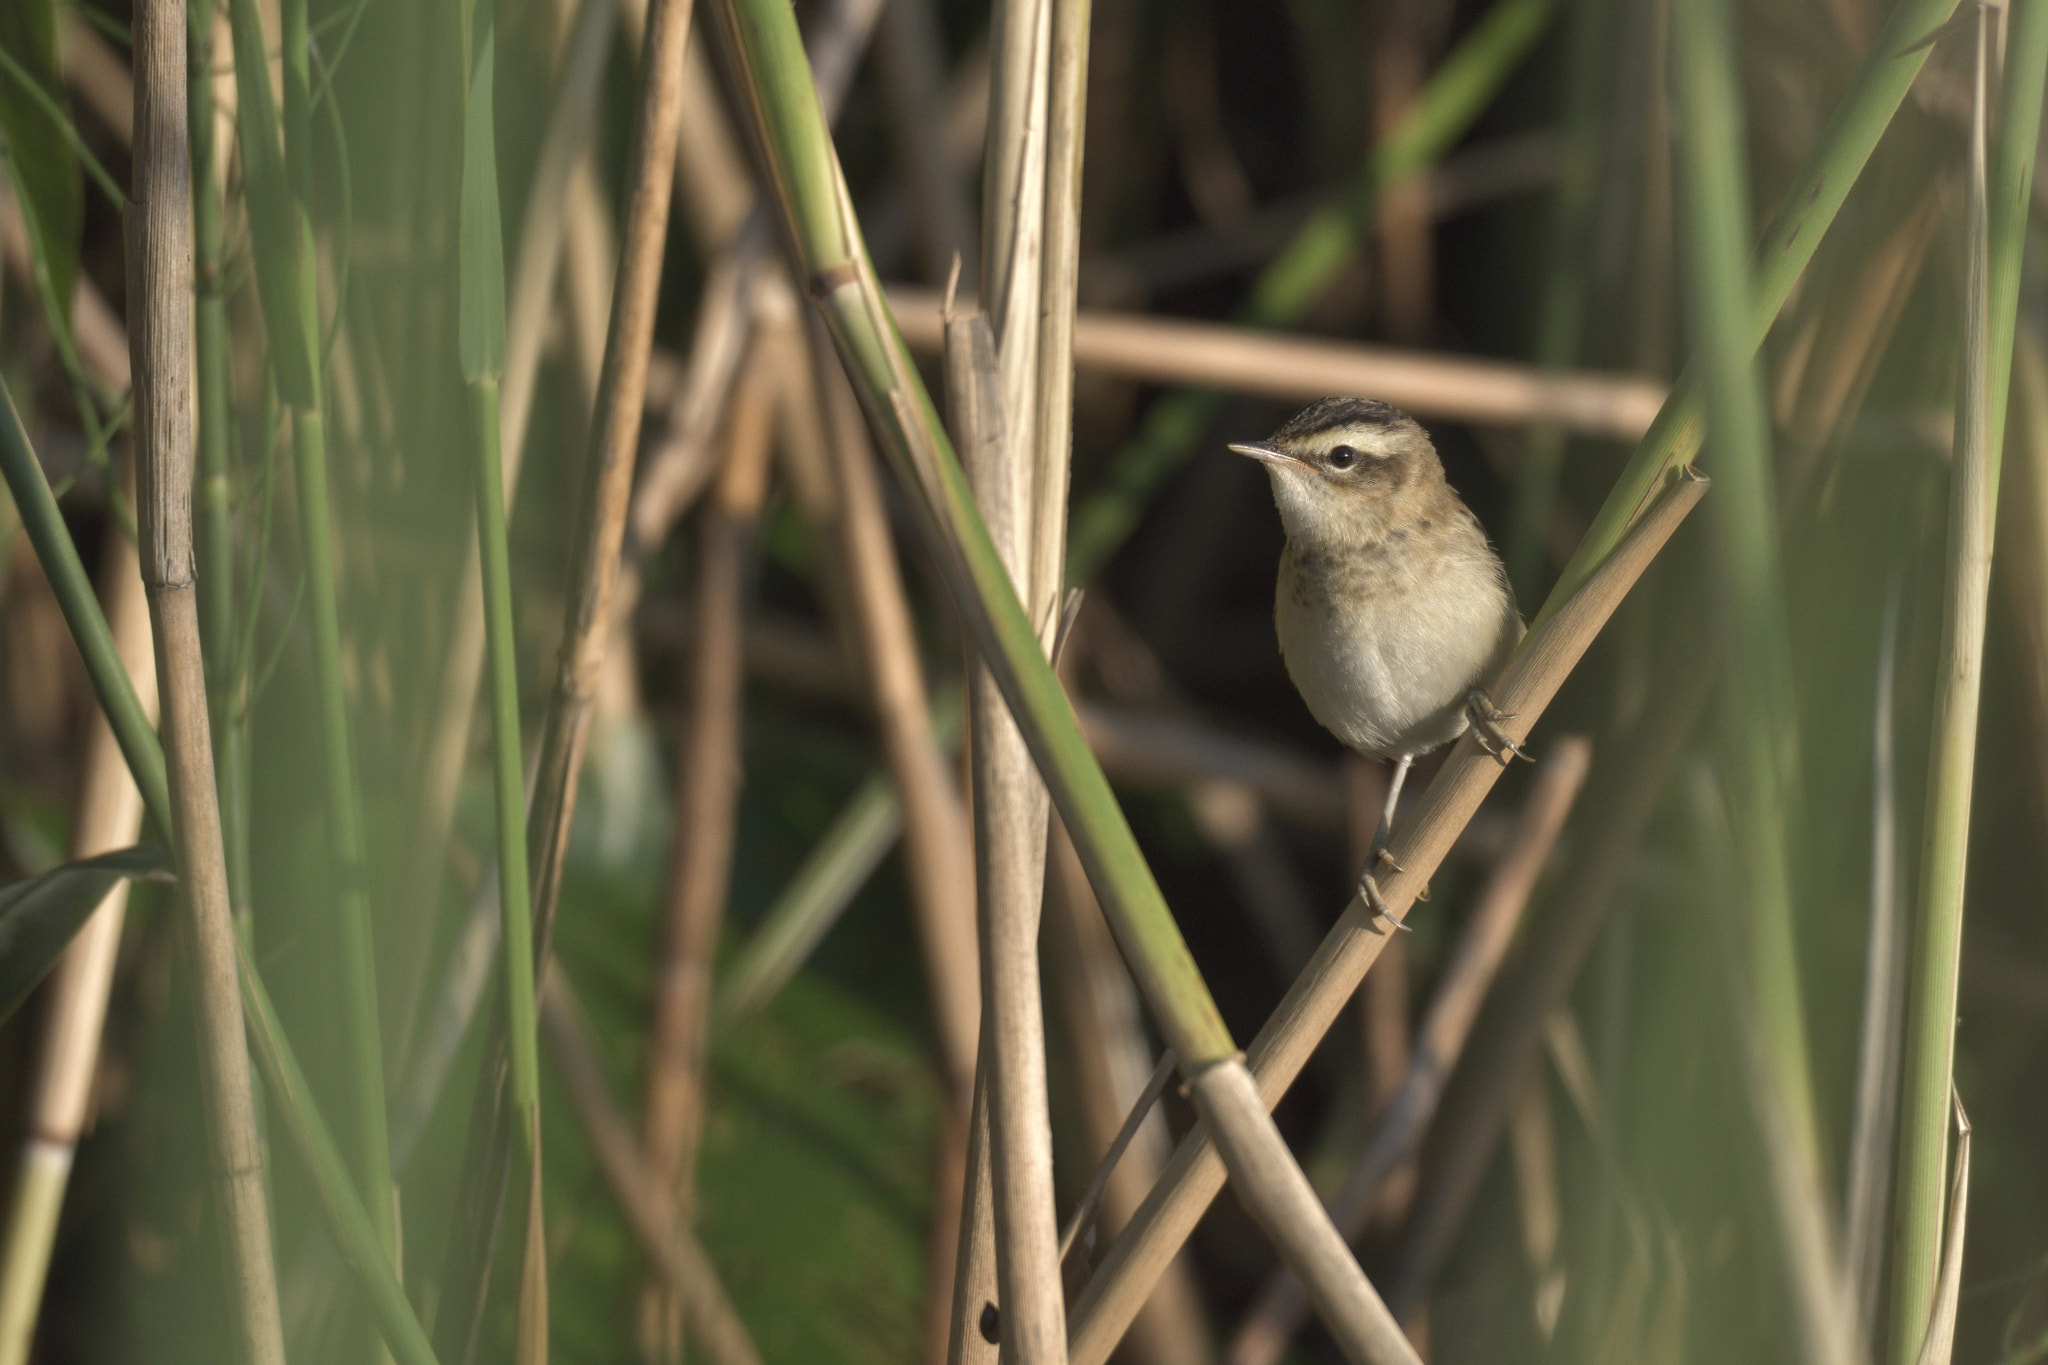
column 1386, row 665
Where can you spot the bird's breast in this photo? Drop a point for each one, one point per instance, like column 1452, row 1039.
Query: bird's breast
column 1384, row 643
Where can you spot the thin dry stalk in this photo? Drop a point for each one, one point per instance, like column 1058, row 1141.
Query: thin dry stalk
column 1010, row 813
column 1106, row 1038
column 934, row 824
column 1242, row 360
column 1059, row 275
column 1283, row 1047
column 973, row 1328
column 1012, row 249
column 109, row 817
column 707, row 795
column 1157, row 749
column 643, row 1196
column 160, row 341
column 608, row 463
column 1276, row 1193
column 1281, row 1307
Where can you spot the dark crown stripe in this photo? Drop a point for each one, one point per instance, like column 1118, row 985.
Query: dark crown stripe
column 1328, row 414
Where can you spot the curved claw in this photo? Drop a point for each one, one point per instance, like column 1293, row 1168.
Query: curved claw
column 1485, row 719
column 1369, row 892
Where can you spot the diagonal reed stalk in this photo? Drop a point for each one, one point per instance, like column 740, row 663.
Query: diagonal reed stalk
column 1808, row 209
column 1319, row 996
column 1995, row 238
column 1759, row 732
column 347, row 1219
column 1276, row 1314
column 768, row 59
column 160, row 344
column 1804, row 213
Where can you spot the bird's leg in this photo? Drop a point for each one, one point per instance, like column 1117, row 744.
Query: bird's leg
column 1368, row 887
column 1485, row 718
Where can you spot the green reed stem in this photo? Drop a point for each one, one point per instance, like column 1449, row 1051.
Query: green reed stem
column 213, row 508
column 1997, row 237
column 1760, row 728
column 1803, row 217
column 349, row 1222
column 37, row 506
column 1759, row 734
column 1291, row 285
column 769, row 60
column 344, row 824
column 507, row 765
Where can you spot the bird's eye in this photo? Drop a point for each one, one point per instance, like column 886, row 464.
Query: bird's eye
column 1343, row 457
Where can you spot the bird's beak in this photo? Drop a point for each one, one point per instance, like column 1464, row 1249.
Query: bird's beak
column 1268, row 454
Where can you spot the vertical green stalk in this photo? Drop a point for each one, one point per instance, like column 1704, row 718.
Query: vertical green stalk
column 279, row 194
column 480, row 336
column 1759, row 734
column 1990, row 307
column 2011, row 185
column 213, row 508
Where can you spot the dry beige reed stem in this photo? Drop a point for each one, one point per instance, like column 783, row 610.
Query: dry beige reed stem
column 707, row 795
column 973, row 1321
column 1319, row 995
column 1281, row 1306
column 160, row 341
column 643, row 1197
column 1243, row 360
column 1010, row 813
column 1277, row 1194
column 109, row 816
column 608, row 463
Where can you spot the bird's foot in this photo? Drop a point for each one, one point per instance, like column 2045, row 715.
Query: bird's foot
column 1485, row 718
column 1369, row 892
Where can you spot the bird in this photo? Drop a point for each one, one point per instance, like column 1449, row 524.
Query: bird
column 1393, row 610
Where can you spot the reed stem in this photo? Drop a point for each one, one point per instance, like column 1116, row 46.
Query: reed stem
column 160, row 343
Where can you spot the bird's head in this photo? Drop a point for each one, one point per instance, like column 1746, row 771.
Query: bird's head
column 1340, row 464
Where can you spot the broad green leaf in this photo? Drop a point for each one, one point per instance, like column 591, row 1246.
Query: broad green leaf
column 481, row 328
column 39, row 916
column 40, row 158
